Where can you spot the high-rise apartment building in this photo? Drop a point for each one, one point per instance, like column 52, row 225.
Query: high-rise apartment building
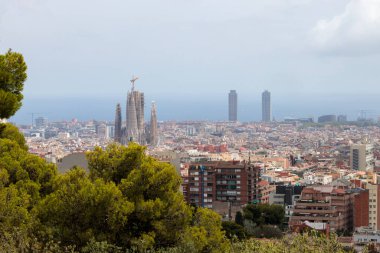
column 153, row 125
column 118, row 133
column 373, row 206
column 266, row 107
column 210, row 182
column 232, row 105
column 361, row 208
column 361, row 157
column 366, row 207
column 110, row 132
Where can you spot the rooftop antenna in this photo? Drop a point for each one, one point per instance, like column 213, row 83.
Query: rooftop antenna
column 133, row 80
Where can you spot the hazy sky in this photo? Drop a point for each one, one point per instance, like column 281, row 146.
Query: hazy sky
column 304, row 51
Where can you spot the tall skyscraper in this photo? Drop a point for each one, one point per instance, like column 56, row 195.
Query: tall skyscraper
column 266, row 107
column 232, row 105
column 118, row 133
column 153, row 125
column 135, row 115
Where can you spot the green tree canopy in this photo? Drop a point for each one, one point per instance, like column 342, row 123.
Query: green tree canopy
column 264, row 214
column 79, row 210
column 9, row 131
column 26, row 171
column 205, row 234
column 12, row 77
column 233, row 230
column 161, row 214
column 239, row 219
column 116, row 162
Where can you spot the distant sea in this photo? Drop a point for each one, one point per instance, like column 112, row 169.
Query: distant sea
column 195, row 108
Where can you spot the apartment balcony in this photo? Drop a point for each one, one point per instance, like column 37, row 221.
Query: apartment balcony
column 314, row 211
column 311, row 204
column 316, row 218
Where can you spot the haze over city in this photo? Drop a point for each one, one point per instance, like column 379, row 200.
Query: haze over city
column 190, row 126
column 309, row 53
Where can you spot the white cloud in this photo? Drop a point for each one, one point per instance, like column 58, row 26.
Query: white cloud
column 299, row 2
column 355, row 31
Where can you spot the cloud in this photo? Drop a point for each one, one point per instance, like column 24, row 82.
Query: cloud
column 299, row 2
column 356, row 31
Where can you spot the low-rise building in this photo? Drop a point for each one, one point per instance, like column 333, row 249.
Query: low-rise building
column 264, row 190
column 324, row 204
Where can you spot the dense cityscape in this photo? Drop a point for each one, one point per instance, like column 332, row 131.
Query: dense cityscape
column 250, row 126
column 324, row 172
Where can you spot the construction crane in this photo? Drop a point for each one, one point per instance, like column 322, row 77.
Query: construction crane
column 133, row 80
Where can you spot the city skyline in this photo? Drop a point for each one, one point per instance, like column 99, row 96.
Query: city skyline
column 249, row 107
column 249, row 125
column 207, row 109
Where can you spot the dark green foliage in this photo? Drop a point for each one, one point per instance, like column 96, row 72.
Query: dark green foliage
column 101, row 247
column 239, row 219
column 28, row 172
column 12, row 78
column 264, row 214
column 79, row 210
column 9, row 131
column 205, row 234
column 116, row 162
column 233, row 230
column 160, row 215
column 267, row 231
